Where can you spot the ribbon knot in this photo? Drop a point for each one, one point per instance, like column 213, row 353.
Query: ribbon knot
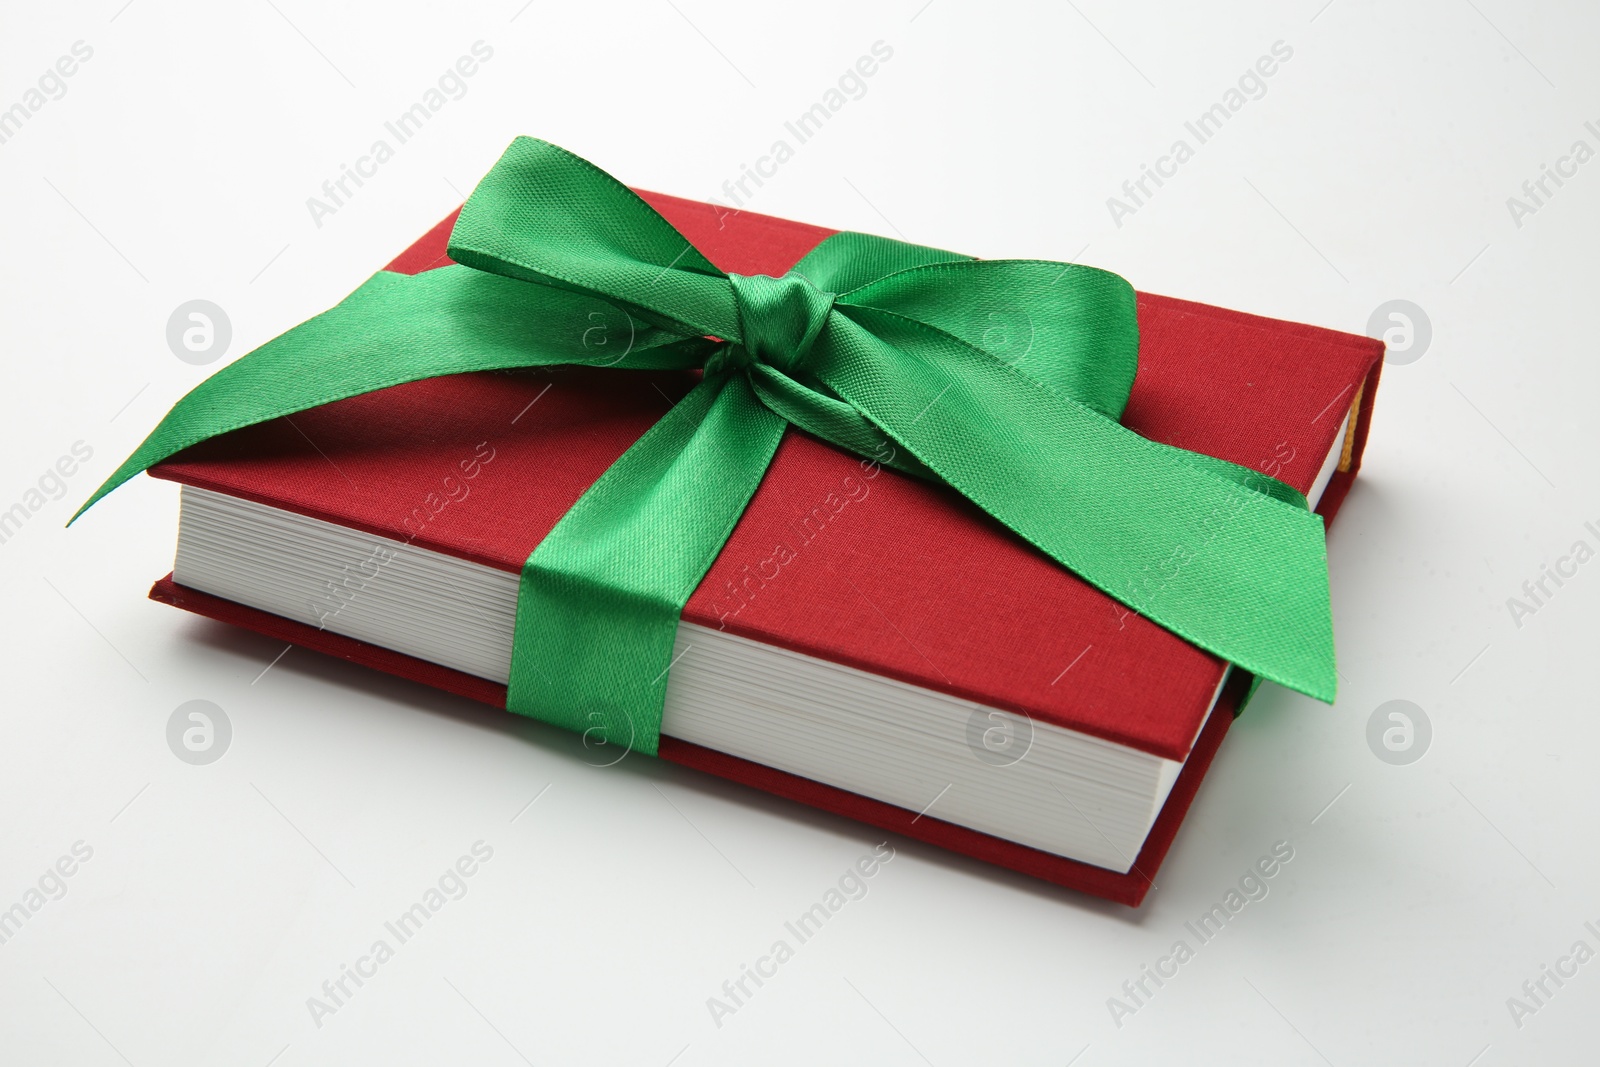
column 896, row 344
column 779, row 318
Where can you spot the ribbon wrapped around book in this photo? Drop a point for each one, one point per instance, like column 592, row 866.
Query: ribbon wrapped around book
column 880, row 347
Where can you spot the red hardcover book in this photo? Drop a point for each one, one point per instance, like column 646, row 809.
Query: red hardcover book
column 870, row 570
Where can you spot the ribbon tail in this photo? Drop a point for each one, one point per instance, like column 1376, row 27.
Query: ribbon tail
column 397, row 328
column 600, row 598
column 1238, row 572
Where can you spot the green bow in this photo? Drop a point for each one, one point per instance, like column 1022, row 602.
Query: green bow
column 877, row 346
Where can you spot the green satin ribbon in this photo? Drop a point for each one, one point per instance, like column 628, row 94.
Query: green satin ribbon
column 878, row 346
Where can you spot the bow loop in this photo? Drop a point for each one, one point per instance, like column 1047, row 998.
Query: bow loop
column 543, row 215
column 779, row 318
column 1071, row 328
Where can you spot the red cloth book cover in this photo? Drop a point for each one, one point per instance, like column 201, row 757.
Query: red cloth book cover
column 885, row 573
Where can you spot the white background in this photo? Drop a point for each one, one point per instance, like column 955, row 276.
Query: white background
column 220, row 897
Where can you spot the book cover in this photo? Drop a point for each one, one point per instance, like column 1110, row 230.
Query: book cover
column 836, row 557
